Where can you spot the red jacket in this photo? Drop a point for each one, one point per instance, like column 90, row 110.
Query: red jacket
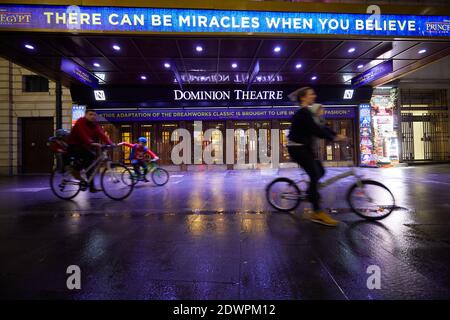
column 138, row 152
column 85, row 132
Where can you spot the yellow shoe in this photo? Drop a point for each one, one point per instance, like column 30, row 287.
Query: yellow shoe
column 323, row 218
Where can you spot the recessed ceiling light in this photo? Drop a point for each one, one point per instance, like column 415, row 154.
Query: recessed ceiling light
column 167, row 65
column 313, row 77
column 199, row 48
column 422, row 51
column 116, row 47
column 277, row 49
column 298, row 65
column 96, row 64
column 351, row 50
column 143, row 77
column 29, row 47
column 234, row 65
column 360, row 66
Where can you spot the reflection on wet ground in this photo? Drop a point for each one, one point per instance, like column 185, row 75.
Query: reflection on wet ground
column 212, row 235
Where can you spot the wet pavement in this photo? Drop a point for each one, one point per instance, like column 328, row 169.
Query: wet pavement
column 212, row 235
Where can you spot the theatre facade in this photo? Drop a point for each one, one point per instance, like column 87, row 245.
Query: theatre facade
column 222, row 71
column 265, row 109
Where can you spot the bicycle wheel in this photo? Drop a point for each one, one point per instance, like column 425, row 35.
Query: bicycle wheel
column 283, row 194
column 117, row 181
column 129, row 179
column 63, row 185
column 160, row 176
column 372, row 200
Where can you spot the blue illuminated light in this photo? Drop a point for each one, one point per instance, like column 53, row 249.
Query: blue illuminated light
column 183, row 20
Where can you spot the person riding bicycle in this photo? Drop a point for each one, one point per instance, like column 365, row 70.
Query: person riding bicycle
column 85, row 136
column 138, row 154
column 305, row 127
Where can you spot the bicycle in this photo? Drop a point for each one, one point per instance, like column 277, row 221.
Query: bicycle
column 367, row 198
column 158, row 175
column 66, row 187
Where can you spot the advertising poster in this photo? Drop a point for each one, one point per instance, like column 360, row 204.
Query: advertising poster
column 77, row 112
column 384, row 135
column 365, row 134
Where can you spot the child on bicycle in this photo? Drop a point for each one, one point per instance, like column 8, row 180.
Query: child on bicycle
column 138, row 155
column 59, row 146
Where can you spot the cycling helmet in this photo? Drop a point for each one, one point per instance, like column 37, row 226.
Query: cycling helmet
column 61, row 133
column 142, row 140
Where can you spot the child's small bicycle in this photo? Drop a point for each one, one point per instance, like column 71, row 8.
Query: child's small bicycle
column 158, row 175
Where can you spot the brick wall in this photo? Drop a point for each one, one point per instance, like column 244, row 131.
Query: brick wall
column 25, row 104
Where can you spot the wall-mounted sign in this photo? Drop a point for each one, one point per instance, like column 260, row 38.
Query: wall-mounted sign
column 144, row 97
column 99, row 95
column 213, row 114
column 348, row 94
column 236, row 95
column 373, row 74
column 77, row 72
column 156, row 20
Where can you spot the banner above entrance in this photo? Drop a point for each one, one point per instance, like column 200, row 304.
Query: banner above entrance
column 166, row 20
column 214, row 114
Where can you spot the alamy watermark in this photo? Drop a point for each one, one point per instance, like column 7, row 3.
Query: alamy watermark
column 74, row 280
column 374, row 280
column 207, row 147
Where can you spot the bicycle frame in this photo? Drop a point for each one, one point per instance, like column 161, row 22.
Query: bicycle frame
column 95, row 166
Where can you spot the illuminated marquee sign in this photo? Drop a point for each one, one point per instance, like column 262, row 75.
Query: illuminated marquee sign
column 214, row 114
column 157, row 20
column 215, row 95
column 373, row 74
column 79, row 73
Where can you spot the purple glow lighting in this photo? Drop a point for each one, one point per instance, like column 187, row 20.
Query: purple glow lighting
column 234, row 65
column 29, row 46
column 298, row 66
column 199, row 48
column 116, row 47
column 360, row 66
column 422, row 51
column 167, row 65
column 277, row 49
column 96, row 64
column 351, row 50
column 313, row 77
column 143, row 77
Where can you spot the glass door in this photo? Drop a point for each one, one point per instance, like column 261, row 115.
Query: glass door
column 284, row 132
column 164, row 143
column 126, row 135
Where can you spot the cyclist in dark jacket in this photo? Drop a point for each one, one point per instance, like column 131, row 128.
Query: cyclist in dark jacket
column 302, row 133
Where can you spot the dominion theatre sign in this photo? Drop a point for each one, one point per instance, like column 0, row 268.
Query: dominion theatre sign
column 236, row 95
